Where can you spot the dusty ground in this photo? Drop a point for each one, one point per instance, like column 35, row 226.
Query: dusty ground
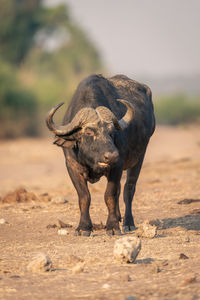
column 171, row 174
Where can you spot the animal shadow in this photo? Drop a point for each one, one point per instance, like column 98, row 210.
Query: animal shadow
column 188, row 201
column 189, row 222
column 145, row 261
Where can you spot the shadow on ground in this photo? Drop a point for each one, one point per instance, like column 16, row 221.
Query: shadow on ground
column 145, row 261
column 189, row 222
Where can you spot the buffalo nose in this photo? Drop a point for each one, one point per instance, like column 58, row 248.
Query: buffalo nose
column 111, row 157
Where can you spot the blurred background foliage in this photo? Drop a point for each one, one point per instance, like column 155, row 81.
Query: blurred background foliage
column 177, row 109
column 43, row 56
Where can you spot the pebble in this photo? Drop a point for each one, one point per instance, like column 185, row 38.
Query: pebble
column 125, row 277
column 40, row 263
column 146, row 230
column 49, row 226
column 183, row 256
column 3, row 221
column 127, row 249
column 106, row 286
column 187, row 239
column 59, row 199
column 63, row 232
column 45, row 197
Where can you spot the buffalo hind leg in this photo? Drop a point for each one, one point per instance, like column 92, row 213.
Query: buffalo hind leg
column 129, row 191
column 112, row 203
column 85, row 225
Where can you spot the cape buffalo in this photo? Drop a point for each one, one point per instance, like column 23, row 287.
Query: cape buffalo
column 105, row 130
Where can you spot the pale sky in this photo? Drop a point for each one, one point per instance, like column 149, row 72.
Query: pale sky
column 143, row 37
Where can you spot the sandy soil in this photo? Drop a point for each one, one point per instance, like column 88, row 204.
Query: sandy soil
column 168, row 189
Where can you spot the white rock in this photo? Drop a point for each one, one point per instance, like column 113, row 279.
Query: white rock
column 3, row 221
column 126, row 249
column 59, row 199
column 106, row 286
column 63, row 232
column 147, row 230
column 40, row 263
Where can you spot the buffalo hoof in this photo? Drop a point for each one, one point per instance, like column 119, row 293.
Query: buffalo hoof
column 82, row 233
column 113, row 232
column 85, row 233
column 128, row 228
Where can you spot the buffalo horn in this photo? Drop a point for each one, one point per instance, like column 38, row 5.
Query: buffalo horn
column 85, row 115
column 127, row 118
column 89, row 115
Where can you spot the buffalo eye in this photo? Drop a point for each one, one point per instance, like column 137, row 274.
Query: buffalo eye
column 89, row 132
column 110, row 129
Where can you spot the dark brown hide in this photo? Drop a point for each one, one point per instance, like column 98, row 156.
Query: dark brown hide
column 102, row 136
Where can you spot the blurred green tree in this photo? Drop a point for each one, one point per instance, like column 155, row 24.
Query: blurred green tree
column 19, row 23
column 177, row 109
column 43, row 55
column 18, row 106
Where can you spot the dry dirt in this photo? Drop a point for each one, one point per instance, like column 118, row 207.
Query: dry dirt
column 168, row 189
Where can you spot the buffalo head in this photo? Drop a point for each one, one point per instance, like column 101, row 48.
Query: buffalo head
column 92, row 131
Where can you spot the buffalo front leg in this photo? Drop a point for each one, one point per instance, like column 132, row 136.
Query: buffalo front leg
column 129, row 191
column 112, row 201
column 85, row 225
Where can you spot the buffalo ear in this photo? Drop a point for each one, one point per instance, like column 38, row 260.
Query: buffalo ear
column 64, row 143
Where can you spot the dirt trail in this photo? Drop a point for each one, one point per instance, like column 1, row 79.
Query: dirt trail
column 168, row 189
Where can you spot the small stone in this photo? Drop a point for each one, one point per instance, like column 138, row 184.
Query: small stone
column 130, row 298
column 125, row 277
column 59, row 199
column 45, row 197
column 106, row 286
column 127, row 249
column 49, row 226
column 63, row 232
column 146, row 230
column 78, row 268
column 40, row 263
column 33, row 207
column 183, row 256
column 187, row 239
column 3, row 221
